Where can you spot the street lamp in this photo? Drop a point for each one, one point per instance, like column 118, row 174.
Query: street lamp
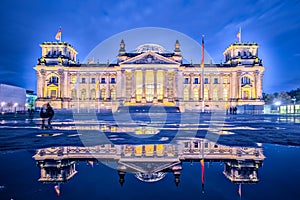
column 294, row 101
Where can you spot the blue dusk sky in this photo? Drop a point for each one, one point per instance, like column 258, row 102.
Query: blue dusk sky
column 274, row 25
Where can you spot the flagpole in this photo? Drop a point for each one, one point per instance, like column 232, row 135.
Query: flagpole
column 202, row 73
column 60, row 34
column 240, row 38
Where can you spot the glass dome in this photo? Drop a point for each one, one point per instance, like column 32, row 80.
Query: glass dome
column 152, row 177
column 150, row 47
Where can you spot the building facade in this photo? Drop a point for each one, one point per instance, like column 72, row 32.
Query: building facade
column 149, row 75
column 12, row 98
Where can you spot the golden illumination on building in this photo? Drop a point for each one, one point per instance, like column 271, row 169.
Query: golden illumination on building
column 149, row 75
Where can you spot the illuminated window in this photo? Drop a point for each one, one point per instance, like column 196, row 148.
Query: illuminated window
column 113, row 94
column 205, row 94
column 186, row 94
column 196, row 94
column 225, row 94
column 73, row 80
column 93, row 94
column 83, row 94
column 102, row 94
column 225, row 80
column 215, row 94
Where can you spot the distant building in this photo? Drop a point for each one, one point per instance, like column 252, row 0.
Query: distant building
column 150, row 74
column 12, row 98
column 30, row 99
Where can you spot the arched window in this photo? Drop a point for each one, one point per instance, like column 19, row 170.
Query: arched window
column 239, row 53
column 93, row 94
column 113, row 94
column 53, row 80
column 103, row 94
column 83, row 94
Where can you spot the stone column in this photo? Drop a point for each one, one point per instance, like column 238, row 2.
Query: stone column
column 119, row 85
column 210, row 93
column 123, row 85
column 77, row 84
column 233, row 85
column 107, row 88
column 179, row 83
column 66, row 85
column 165, row 85
column 133, row 89
column 155, row 86
column 39, row 85
column 44, row 84
column 144, row 86
column 88, row 86
column 190, row 87
column 238, row 81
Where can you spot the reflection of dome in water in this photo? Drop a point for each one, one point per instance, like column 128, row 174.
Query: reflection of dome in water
column 154, row 177
column 150, row 47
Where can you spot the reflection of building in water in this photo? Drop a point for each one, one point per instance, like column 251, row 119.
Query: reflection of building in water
column 149, row 75
column 150, row 162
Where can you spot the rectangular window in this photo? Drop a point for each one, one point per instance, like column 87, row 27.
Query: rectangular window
column 93, row 80
column 215, row 95
column 225, row 81
column 205, row 80
column 102, row 80
column 216, row 80
column 196, row 80
column 82, row 80
column 186, row 80
column 225, row 94
column 113, row 80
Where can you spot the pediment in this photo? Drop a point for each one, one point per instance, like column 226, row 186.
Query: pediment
column 247, row 85
column 52, row 85
column 149, row 57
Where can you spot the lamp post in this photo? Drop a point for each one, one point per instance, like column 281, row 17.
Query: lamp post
column 294, row 101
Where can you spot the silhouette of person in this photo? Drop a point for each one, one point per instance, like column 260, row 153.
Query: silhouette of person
column 50, row 114
column 43, row 115
column 235, row 110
